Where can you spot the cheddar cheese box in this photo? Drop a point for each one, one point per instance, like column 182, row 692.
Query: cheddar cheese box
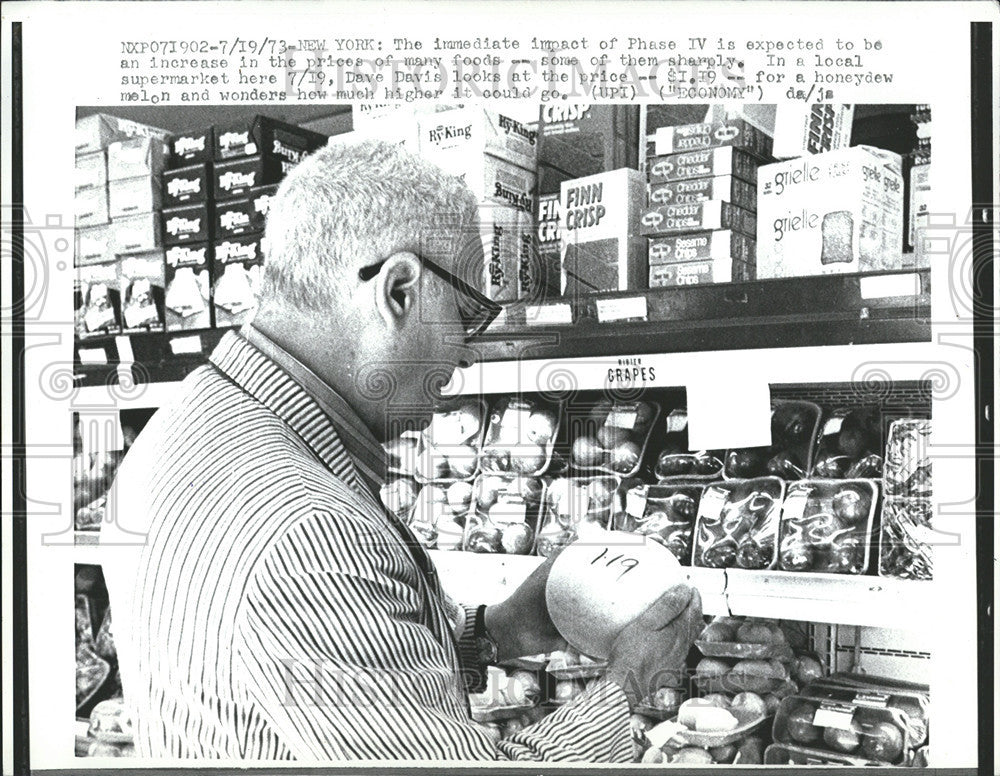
column 703, row 164
column 728, row 188
column 697, row 216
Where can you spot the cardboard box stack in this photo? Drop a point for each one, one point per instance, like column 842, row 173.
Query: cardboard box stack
column 216, row 197
column 576, row 140
column 918, row 190
column 117, row 241
column 700, row 214
column 495, row 154
column 830, row 213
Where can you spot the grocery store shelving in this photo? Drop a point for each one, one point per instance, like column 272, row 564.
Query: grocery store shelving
column 795, row 312
column 828, row 598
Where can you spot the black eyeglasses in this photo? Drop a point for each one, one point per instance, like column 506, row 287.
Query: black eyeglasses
column 477, row 311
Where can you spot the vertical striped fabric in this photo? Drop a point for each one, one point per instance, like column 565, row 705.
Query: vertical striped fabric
column 266, row 607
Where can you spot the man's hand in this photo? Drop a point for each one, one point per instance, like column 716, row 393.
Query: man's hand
column 650, row 652
column 521, row 625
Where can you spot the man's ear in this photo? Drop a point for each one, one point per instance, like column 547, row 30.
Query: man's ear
column 396, row 287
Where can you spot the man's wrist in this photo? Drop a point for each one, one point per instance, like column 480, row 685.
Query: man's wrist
column 503, row 628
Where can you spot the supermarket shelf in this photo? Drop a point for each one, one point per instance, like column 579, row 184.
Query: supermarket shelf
column 831, row 598
column 827, row 598
column 141, row 395
column 787, row 312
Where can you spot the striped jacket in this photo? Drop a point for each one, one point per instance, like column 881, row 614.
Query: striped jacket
column 267, row 607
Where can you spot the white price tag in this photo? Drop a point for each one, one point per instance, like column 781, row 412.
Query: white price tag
column 833, row 426
column 509, row 509
column 677, row 421
column 834, row 717
column 724, row 414
column 883, row 286
column 662, row 733
column 631, row 308
column 635, row 501
column 547, row 314
column 794, row 505
column 622, row 416
column 93, row 356
column 181, row 345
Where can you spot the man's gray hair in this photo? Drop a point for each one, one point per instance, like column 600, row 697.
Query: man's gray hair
column 352, row 204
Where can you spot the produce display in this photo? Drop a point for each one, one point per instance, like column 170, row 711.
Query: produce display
column 664, row 513
column 907, row 459
column 794, row 427
column 448, row 448
column 828, row 526
column 873, row 734
column 610, row 436
column 850, row 445
column 735, row 639
column 574, row 507
column 504, row 514
column 520, row 436
column 506, row 696
column 438, row 512
column 738, row 524
column 675, row 461
column 571, row 664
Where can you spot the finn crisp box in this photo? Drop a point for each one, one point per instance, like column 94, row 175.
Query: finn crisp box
column 540, row 279
column 238, row 264
column 188, row 296
column 578, row 139
column 830, row 213
column 600, row 247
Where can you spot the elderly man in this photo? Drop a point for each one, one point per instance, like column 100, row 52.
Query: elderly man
column 266, row 605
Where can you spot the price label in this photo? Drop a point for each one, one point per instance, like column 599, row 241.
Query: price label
column 93, row 356
column 876, row 700
column 635, row 501
column 677, row 421
column 833, row 426
column 794, row 506
column 885, row 286
column 622, row 416
column 548, row 314
column 509, row 509
column 632, row 308
column 513, row 420
column 615, row 559
column 834, row 717
column 182, row 345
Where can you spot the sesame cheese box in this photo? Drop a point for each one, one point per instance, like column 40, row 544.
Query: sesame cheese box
column 691, row 273
column 698, row 246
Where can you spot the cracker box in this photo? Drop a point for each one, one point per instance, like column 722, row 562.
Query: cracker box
column 93, row 245
column 728, row 188
column 699, row 246
column 238, row 264
column 267, row 136
column 697, row 217
column 693, row 273
column 598, row 220
column 136, row 157
column 501, row 228
column 187, row 185
column 91, row 206
column 830, row 213
column 919, row 195
column 137, row 234
column 98, row 131
column 187, row 300
column 801, row 129
column 540, row 279
column 260, row 205
column 475, row 130
column 734, row 133
column 188, row 224
column 237, row 177
column 129, row 196
column 579, row 139
column 101, row 303
column 493, row 179
column 90, row 171
column 140, row 278
column 703, row 164
column 195, row 146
